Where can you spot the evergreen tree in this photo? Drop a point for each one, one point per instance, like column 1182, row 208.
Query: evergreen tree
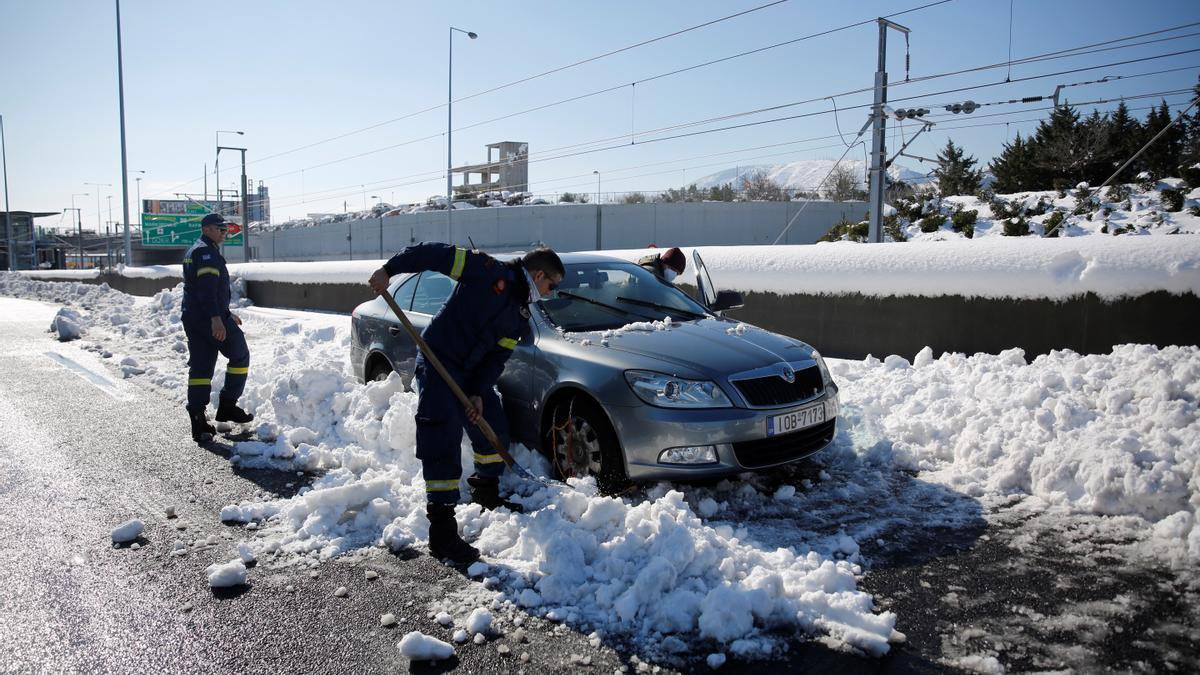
column 1062, row 149
column 1124, row 134
column 955, row 175
column 1191, row 140
column 1095, row 135
column 1163, row 156
column 1013, row 169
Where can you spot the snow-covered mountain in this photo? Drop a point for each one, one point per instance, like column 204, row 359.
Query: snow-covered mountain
column 805, row 174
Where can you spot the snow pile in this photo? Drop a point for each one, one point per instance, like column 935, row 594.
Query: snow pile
column 232, row 573
column 127, row 531
column 1114, row 435
column 420, row 647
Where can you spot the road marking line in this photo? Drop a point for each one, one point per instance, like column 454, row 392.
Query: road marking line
column 90, row 376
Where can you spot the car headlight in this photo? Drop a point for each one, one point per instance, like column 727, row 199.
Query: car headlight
column 826, row 378
column 675, row 392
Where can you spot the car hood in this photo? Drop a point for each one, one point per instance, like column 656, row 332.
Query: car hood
column 715, row 347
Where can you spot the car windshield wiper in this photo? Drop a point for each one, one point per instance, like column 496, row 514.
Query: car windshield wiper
column 665, row 308
column 612, row 308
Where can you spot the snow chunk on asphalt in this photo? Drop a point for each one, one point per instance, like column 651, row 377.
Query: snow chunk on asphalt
column 245, row 553
column 479, row 621
column 127, row 531
column 69, row 324
column 232, row 573
column 715, row 660
column 420, row 647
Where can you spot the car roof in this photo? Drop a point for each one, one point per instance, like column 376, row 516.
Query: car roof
column 567, row 258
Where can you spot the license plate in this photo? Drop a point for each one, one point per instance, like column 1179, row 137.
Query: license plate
column 796, row 420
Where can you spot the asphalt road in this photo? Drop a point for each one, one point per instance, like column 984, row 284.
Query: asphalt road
column 82, row 451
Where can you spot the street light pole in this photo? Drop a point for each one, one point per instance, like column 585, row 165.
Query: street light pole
column 98, row 218
column 8, row 231
column 124, row 164
column 128, row 257
column 450, row 132
column 377, row 206
column 79, row 222
column 108, row 235
column 597, row 187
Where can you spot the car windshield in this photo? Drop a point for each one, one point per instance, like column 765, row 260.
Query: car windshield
column 605, row 295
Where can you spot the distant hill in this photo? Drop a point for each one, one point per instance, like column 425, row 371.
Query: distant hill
column 804, row 174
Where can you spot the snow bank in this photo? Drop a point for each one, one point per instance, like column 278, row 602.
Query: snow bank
column 1114, row 435
column 60, row 274
column 997, row 267
column 152, row 272
column 324, row 272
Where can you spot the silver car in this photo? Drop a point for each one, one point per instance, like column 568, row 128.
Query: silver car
column 629, row 378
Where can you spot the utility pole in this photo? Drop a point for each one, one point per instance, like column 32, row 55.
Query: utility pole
column 8, row 231
column 108, row 235
column 79, row 232
column 878, row 146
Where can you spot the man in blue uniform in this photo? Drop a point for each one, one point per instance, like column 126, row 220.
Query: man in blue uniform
column 212, row 329
column 473, row 335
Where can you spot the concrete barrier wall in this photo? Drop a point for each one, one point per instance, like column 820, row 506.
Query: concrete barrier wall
column 564, row 227
column 853, row 326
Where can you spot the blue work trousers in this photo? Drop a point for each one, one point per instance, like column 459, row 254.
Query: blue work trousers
column 440, row 422
column 202, row 361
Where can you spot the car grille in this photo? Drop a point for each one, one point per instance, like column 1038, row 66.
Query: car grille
column 778, row 449
column 774, row 390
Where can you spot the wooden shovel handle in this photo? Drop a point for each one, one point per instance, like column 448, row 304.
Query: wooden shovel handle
column 437, row 365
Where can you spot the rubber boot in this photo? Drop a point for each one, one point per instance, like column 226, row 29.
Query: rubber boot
column 202, row 431
column 444, row 541
column 486, row 493
column 228, row 411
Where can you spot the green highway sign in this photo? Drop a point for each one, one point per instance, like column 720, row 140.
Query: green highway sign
column 180, row 227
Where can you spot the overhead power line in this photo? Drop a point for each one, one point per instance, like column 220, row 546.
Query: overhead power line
column 577, row 63
column 354, row 190
column 1056, row 54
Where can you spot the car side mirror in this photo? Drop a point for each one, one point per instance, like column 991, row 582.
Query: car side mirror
column 727, row 300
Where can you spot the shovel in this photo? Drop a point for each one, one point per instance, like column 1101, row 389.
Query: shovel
column 458, row 392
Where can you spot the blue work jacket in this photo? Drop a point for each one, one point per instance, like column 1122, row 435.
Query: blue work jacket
column 487, row 314
column 205, row 281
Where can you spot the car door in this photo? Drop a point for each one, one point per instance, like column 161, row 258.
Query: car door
column 704, row 284
column 431, row 291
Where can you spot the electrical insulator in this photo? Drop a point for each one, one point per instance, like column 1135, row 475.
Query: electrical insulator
column 970, row 107
column 954, row 108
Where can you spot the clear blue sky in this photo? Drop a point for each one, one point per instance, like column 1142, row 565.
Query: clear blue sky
column 293, row 73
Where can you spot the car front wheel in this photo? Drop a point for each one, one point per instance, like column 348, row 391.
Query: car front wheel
column 379, row 371
column 581, row 442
